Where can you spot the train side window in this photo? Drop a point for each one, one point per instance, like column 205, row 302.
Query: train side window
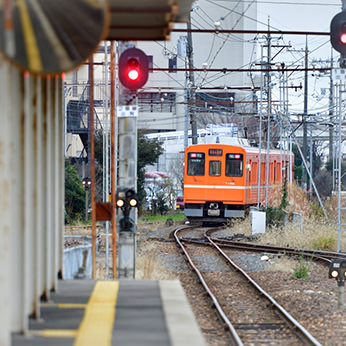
column 234, row 165
column 215, row 168
column 195, row 164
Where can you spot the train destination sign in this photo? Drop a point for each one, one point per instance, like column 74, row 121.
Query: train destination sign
column 50, row 36
column 215, row 152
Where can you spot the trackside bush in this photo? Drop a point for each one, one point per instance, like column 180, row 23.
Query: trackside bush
column 275, row 217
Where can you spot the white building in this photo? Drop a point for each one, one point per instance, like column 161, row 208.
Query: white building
column 219, row 96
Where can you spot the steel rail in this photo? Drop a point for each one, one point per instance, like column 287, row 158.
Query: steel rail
column 270, row 249
column 319, row 254
column 307, row 337
column 235, row 337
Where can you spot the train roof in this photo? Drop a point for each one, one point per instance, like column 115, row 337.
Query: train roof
column 224, row 140
column 236, row 142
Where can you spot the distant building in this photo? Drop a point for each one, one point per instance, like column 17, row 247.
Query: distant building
column 165, row 101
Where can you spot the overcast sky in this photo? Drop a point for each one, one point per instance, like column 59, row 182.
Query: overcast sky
column 305, row 15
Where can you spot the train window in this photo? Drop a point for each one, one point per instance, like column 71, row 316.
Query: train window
column 234, row 165
column 215, row 168
column 195, row 163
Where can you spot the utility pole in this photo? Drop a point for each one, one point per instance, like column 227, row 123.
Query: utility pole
column 331, row 115
column 305, row 113
column 191, row 94
column 269, row 113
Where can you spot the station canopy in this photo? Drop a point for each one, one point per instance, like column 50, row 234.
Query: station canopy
column 146, row 19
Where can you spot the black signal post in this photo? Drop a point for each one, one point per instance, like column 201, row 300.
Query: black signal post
column 126, row 200
column 338, row 36
column 337, row 271
column 133, row 68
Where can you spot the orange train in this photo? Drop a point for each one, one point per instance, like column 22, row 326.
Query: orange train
column 221, row 181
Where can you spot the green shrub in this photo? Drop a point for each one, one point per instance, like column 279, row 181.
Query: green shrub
column 275, row 217
column 301, row 271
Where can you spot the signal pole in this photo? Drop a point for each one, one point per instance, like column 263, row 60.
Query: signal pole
column 191, row 94
column 269, row 114
column 305, row 113
column 338, row 41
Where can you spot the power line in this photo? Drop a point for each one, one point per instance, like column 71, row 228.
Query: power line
column 271, row 32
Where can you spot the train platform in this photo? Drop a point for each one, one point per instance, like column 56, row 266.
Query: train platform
column 122, row 313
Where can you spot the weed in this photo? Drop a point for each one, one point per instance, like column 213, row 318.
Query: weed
column 301, row 271
column 324, row 242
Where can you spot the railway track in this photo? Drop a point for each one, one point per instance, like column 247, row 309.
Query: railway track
column 250, row 315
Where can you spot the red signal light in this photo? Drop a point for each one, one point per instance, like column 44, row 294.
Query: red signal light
column 133, row 72
column 133, row 68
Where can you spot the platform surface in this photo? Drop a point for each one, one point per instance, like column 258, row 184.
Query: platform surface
column 122, row 313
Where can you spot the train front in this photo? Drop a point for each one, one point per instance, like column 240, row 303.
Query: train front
column 214, row 182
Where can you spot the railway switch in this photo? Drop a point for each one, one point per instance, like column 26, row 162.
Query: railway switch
column 133, row 68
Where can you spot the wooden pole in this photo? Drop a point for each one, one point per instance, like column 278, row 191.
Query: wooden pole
column 92, row 164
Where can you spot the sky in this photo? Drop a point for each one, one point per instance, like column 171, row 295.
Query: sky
column 305, row 15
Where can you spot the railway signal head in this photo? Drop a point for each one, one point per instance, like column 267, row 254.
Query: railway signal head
column 86, row 182
column 126, row 200
column 337, row 271
column 133, row 68
column 338, row 33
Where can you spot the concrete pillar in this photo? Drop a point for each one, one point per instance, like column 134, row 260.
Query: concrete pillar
column 61, row 174
column 27, row 238
column 6, row 202
column 49, row 191
column 127, row 179
column 13, row 96
column 39, row 196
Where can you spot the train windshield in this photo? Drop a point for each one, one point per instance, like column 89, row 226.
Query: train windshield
column 195, row 163
column 234, row 165
column 215, row 168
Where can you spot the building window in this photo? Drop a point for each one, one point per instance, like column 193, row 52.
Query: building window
column 172, row 64
column 150, row 62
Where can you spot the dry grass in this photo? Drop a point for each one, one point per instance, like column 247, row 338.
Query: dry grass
column 148, row 265
column 315, row 233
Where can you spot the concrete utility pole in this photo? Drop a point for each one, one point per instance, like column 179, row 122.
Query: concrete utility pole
column 191, row 94
column 331, row 114
column 305, row 113
column 269, row 114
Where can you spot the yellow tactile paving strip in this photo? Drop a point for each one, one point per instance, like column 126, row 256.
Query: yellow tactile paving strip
column 96, row 327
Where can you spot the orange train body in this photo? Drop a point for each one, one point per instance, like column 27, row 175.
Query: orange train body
column 221, row 181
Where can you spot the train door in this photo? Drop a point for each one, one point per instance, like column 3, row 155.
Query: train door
column 248, row 180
